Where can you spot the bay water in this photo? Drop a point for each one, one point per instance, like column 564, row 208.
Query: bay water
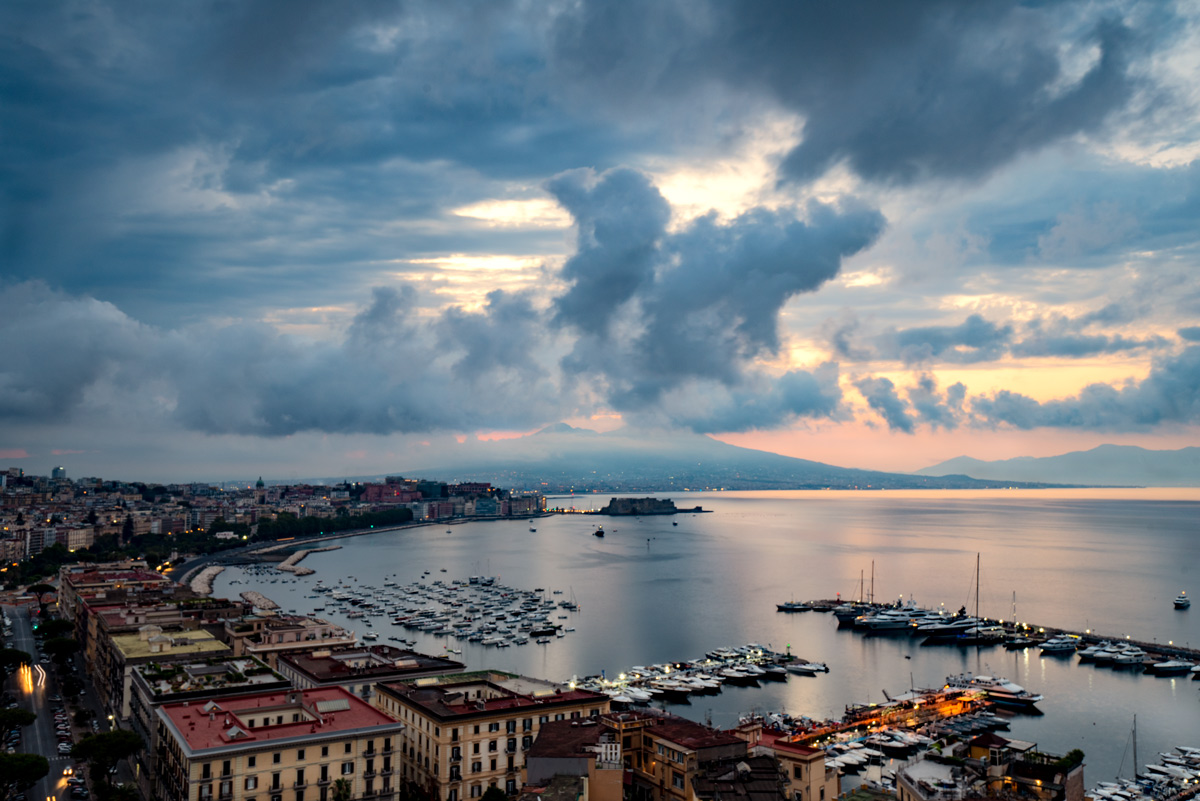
column 658, row 589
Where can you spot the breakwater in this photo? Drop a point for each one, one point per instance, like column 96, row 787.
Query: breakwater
column 202, row 584
column 290, row 565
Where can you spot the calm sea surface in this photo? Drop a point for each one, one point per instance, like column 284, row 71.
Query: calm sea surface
column 652, row 592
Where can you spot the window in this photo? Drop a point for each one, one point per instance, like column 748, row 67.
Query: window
column 477, row 728
column 453, row 795
column 206, row 791
column 226, row 789
column 276, row 757
column 279, row 720
column 798, row 772
column 454, row 735
column 494, row 726
column 512, row 745
column 493, row 745
column 225, row 768
column 510, row 726
column 476, row 791
column 250, row 761
column 299, row 795
column 275, row 781
column 300, row 754
column 476, row 767
column 526, row 741
column 324, row 750
column 347, row 768
column 206, row 770
column 822, row 794
column 510, row 786
column 251, row 782
column 543, row 718
column 296, row 719
column 575, row 714
column 559, row 716
column 475, row 748
column 300, row 776
column 493, row 764
column 527, row 724
column 348, row 747
column 677, row 780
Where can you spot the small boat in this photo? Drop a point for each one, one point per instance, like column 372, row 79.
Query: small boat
column 807, row 668
column 792, row 606
column 1182, row 601
column 598, row 532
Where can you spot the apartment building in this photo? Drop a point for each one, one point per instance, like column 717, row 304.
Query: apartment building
column 359, row 669
column 268, row 636
column 468, row 732
column 296, row 745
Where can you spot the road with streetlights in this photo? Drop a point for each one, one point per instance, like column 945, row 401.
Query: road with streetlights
column 32, row 686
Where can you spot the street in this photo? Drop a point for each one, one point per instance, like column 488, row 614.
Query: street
column 32, row 688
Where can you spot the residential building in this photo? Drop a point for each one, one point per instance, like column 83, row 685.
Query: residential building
column 803, row 768
column 584, row 749
column 359, row 669
column 267, row 636
column 280, row 746
column 120, row 654
column 470, row 731
column 195, row 681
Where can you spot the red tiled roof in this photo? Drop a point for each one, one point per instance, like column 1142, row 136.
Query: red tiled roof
column 691, row 735
column 773, row 740
column 200, row 731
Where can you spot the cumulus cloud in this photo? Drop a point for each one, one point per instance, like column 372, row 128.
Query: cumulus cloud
column 1169, row 394
column 702, row 301
column 881, row 395
column 978, row 339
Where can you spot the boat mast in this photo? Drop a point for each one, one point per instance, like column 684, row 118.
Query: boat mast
column 977, row 588
column 1135, row 762
column 861, row 585
column 872, row 600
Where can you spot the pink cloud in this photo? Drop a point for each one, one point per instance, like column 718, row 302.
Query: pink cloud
column 14, row 453
column 63, row 452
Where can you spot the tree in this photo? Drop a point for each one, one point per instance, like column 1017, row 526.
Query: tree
column 494, row 794
column 12, row 718
column 41, row 591
column 60, row 649
column 103, row 751
column 341, row 790
column 11, row 659
column 19, row 772
column 56, row 628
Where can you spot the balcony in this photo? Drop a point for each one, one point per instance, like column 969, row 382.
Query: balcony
column 299, row 785
column 456, row 757
column 370, row 774
column 388, row 750
column 325, row 782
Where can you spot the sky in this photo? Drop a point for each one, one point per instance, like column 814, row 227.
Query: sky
column 303, row 238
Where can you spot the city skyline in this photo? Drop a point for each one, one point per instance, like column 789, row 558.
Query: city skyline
column 295, row 239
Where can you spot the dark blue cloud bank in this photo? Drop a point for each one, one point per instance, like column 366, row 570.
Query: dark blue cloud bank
column 172, row 175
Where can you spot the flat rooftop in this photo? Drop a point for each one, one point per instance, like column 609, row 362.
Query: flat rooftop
column 264, row 718
column 377, row 662
column 197, row 641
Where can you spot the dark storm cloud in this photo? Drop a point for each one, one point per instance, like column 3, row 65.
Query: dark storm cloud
column 1169, row 394
column 1191, row 333
column 620, row 219
column 658, row 309
column 898, row 92
column 881, row 396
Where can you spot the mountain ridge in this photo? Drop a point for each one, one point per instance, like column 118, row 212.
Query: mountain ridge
column 1104, row 465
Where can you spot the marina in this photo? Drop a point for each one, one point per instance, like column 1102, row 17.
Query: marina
column 716, row 578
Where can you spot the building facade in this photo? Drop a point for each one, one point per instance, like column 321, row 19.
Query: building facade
column 468, row 732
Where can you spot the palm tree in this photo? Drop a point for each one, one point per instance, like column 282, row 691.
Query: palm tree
column 341, row 790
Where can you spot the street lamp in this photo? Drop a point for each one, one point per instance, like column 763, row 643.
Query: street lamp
column 111, row 724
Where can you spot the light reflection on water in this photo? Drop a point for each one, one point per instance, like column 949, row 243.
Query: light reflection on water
column 652, row 592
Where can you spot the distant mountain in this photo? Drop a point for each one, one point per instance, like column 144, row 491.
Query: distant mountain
column 563, row 459
column 1109, row 465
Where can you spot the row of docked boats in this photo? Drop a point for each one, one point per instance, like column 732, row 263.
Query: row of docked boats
column 476, row 610
column 1175, row 775
column 675, row 682
column 999, row 691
